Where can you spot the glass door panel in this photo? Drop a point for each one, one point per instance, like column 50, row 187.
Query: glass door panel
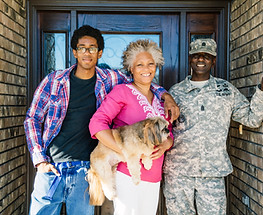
column 54, row 52
column 120, row 29
column 115, row 44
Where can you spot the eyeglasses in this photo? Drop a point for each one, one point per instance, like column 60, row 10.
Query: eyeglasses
column 205, row 56
column 91, row 50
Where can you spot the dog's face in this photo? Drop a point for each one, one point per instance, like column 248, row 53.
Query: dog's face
column 155, row 130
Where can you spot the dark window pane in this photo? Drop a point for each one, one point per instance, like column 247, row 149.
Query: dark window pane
column 54, row 52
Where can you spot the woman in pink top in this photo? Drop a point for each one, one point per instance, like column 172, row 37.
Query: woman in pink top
column 127, row 104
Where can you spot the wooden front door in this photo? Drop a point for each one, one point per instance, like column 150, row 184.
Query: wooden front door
column 163, row 29
column 118, row 30
column 55, row 29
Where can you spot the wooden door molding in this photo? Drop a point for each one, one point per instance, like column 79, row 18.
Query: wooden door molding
column 136, row 6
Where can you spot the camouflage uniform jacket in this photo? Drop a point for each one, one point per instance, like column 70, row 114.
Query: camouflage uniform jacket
column 200, row 135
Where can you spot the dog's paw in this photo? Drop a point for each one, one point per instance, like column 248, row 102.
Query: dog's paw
column 147, row 163
column 148, row 166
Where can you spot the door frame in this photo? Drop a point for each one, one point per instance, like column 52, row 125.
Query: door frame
column 73, row 6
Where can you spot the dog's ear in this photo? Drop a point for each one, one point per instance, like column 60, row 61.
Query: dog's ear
column 151, row 132
column 158, row 124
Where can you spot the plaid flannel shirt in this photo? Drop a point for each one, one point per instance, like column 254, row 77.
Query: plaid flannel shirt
column 50, row 102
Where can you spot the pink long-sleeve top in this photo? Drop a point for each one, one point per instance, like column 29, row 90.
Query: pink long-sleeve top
column 125, row 105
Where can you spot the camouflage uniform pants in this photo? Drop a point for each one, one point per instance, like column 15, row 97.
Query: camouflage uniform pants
column 195, row 195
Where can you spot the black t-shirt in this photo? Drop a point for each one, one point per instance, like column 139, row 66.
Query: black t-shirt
column 74, row 142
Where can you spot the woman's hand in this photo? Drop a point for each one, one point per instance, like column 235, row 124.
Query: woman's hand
column 162, row 148
column 170, row 107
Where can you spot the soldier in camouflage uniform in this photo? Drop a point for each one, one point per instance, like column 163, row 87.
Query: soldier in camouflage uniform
column 195, row 167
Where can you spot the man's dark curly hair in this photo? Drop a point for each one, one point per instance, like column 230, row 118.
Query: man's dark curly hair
column 87, row 30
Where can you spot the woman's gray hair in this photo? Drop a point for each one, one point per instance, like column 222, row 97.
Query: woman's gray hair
column 134, row 48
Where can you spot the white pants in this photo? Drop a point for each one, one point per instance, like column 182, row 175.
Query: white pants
column 141, row 199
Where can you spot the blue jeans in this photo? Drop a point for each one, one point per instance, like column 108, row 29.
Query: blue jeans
column 71, row 189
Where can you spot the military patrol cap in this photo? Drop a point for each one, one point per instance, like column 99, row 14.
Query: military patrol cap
column 203, row 45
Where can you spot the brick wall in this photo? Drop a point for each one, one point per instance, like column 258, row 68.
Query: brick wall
column 246, row 150
column 12, row 106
